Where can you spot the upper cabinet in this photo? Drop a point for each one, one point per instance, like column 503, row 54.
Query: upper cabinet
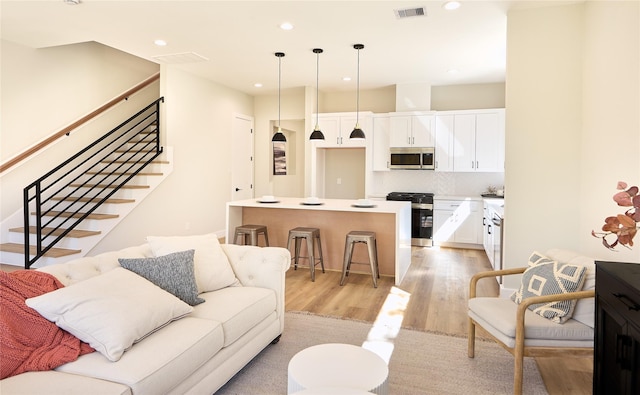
column 415, row 130
column 337, row 127
column 444, row 142
column 380, row 154
column 478, row 144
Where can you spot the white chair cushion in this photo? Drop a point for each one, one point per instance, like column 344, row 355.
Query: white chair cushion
column 498, row 317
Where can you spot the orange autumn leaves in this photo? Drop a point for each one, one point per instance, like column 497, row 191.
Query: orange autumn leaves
column 622, row 228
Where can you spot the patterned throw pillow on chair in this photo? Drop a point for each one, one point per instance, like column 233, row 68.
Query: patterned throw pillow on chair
column 546, row 277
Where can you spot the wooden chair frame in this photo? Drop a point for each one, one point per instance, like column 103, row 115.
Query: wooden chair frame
column 519, row 351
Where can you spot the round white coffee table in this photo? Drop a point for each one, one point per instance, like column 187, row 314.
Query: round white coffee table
column 340, row 366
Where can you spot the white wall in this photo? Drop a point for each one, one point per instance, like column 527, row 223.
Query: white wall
column 571, row 125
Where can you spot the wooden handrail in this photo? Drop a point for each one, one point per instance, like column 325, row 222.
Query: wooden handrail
column 66, row 130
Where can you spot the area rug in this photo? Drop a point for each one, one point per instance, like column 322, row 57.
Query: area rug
column 419, row 362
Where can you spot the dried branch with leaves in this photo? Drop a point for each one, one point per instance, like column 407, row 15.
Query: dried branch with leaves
column 622, row 228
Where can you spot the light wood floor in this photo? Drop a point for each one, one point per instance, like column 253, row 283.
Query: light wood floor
column 437, row 289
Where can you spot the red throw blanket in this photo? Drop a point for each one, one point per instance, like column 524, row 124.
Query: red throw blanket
column 28, row 340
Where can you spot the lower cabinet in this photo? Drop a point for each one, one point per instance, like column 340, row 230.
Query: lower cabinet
column 617, row 329
column 457, row 221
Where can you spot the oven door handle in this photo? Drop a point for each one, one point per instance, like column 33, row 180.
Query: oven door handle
column 422, row 206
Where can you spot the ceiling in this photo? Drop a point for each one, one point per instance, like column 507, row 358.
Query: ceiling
column 233, row 42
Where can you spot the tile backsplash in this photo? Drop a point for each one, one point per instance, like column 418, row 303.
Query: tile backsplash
column 440, row 183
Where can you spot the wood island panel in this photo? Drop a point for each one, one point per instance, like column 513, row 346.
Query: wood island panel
column 334, row 226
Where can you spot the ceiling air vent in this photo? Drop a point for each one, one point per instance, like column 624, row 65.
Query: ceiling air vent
column 409, row 12
column 184, row 57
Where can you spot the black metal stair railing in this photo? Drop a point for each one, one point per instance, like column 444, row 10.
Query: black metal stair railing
column 60, row 200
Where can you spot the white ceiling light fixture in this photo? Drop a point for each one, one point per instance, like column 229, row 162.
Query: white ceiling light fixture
column 258, row 85
column 279, row 136
column 451, row 5
column 357, row 133
column 317, row 133
column 71, row 2
column 160, row 43
column 286, row 26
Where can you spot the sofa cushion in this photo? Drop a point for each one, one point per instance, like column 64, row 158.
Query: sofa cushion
column 497, row 315
column 161, row 361
column 548, row 277
column 585, row 308
column 171, row 272
column 111, row 311
column 238, row 309
column 52, row 382
column 212, row 268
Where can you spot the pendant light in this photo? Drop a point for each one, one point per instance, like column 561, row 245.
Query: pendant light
column 279, row 136
column 317, row 133
column 357, row 133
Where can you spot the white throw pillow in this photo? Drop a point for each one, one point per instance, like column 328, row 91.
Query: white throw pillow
column 111, row 311
column 212, row 268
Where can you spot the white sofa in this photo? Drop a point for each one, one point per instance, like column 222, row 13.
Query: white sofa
column 195, row 354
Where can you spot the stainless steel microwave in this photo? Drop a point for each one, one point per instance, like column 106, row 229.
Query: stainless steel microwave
column 411, row 158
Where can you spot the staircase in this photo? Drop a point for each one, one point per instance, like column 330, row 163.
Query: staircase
column 69, row 216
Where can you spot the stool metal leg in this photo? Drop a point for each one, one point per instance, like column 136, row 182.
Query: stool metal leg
column 320, row 252
column 266, row 238
column 253, row 237
column 311, row 257
column 348, row 251
column 374, row 263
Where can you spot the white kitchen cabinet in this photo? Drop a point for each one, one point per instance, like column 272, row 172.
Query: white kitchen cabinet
column 479, row 141
column 337, row 127
column 457, row 221
column 411, row 130
column 487, row 231
column 444, row 142
column 380, row 154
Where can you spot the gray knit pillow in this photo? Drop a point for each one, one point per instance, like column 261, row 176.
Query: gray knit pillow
column 549, row 277
column 172, row 272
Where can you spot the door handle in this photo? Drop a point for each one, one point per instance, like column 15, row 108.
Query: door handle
column 238, row 189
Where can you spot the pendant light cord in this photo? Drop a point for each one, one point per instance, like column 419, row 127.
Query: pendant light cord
column 358, row 91
column 279, row 78
column 317, row 90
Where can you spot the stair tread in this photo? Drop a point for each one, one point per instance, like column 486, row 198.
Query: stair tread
column 76, row 233
column 55, row 252
column 104, row 186
column 66, row 214
column 85, row 199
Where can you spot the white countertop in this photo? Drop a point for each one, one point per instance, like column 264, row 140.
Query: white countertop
column 378, row 206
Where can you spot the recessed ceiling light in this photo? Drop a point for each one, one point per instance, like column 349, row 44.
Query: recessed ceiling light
column 451, row 5
column 257, row 85
column 71, row 2
column 160, row 43
column 286, row 26
column 346, row 78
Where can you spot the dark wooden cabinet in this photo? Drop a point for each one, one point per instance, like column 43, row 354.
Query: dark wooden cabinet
column 617, row 332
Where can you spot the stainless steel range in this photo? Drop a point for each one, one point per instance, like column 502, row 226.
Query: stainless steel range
column 421, row 215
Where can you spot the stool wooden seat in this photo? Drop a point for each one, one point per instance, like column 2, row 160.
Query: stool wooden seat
column 252, row 231
column 369, row 238
column 310, row 234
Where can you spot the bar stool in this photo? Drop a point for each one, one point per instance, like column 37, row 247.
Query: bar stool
column 369, row 238
column 252, row 231
column 310, row 234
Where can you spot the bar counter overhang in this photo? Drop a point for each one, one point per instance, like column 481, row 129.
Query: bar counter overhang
column 391, row 220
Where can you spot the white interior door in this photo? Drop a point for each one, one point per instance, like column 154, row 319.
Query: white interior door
column 242, row 158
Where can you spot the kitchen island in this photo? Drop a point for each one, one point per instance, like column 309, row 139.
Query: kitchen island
column 335, row 218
